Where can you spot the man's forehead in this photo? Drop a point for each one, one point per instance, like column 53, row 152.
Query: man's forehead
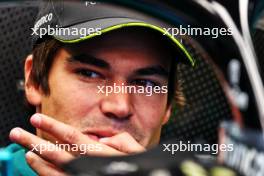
column 136, row 42
column 133, row 37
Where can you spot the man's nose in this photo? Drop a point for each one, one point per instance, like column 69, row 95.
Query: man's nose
column 117, row 105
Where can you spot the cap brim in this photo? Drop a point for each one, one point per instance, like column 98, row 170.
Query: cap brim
column 109, row 24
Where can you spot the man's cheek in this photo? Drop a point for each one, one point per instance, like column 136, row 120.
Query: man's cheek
column 147, row 127
column 152, row 124
column 78, row 104
column 152, row 119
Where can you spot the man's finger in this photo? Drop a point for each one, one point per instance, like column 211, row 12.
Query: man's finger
column 67, row 134
column 45, row 149
column 123, row 142
column 42, row 167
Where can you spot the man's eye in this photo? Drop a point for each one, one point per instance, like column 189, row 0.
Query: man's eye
column 88, row 73
column 144, row 82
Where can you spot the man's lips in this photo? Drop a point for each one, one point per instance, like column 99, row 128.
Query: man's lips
column 93, row 137
column 97, row 134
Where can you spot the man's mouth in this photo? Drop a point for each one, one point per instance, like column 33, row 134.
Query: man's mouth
column 98, row 134
column 94, row 137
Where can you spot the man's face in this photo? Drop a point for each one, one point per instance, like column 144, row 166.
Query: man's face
column 118, row 57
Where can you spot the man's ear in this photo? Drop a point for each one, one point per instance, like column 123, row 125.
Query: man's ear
column 167, row 115
column 33, row 93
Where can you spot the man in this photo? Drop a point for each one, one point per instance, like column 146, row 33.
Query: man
column 63, row 76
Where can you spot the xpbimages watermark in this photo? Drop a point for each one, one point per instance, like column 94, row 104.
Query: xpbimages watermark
column 181, row 146
column 58, row 31
column 130, row 89
column 82, row 148
column 198, row 31
column 53, row 31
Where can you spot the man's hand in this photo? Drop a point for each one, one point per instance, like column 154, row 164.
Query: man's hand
column 48, row 162
column 123, row 142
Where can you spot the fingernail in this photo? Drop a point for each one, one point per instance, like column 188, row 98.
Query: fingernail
column 36, row 120
column 104, row 140
column 29, row 155
column 15, row 133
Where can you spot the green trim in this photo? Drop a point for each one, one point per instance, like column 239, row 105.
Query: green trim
column 135, row 24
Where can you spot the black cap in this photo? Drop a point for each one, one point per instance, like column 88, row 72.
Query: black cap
column 76, row 21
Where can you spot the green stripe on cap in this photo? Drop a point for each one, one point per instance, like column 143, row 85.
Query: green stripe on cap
column 131, row 24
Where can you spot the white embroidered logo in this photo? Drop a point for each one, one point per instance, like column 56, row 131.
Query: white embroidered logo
column 44, row 19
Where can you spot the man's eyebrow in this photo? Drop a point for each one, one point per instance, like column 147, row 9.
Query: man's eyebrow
column 153, row 70
column 90, row 60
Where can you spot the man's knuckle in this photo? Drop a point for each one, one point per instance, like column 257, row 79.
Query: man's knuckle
column 125, row 135
column 70, row 136
column 55, row 157
column 122, row 148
